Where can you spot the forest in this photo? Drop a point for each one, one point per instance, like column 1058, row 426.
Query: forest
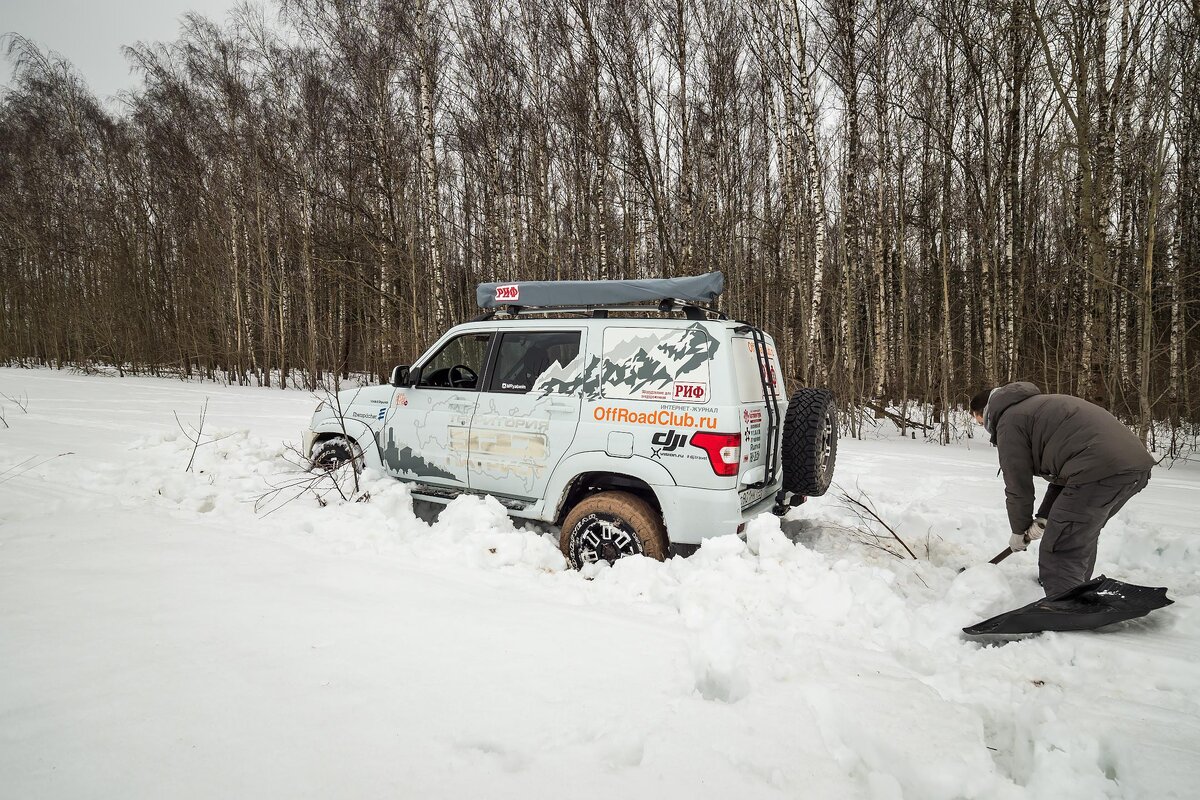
column 916, row 198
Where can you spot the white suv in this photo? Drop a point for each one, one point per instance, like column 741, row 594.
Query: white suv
column 637, row 435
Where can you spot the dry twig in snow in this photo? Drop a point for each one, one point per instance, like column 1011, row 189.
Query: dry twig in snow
column 864, row 509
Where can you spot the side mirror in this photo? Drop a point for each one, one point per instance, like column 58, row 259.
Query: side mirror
column 400, row 376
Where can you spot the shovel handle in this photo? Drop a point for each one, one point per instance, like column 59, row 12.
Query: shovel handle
column 1003, row 554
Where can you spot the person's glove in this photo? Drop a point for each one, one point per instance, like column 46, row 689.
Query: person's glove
column 1036, row 529
column 1017, row 542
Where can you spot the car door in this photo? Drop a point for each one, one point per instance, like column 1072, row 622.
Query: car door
column 426, row 440
column 528, row 413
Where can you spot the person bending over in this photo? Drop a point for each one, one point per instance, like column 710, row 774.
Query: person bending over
column 1093, row 462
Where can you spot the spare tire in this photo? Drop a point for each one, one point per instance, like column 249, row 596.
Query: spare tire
column 809, row 442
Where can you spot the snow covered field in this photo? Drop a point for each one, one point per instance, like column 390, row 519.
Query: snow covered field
column 159, row 637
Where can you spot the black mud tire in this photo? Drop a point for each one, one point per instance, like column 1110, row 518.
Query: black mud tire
column 334, row 453
column 809, row 442
column 612, row 525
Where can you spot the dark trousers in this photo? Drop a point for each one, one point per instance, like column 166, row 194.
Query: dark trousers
column 1074, row 516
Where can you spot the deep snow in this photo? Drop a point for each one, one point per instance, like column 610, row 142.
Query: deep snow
column 162, row 637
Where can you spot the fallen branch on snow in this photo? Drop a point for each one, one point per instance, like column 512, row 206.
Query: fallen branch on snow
column 864, row 509
column 5, row 477
column 902, row 422
column 305, row 480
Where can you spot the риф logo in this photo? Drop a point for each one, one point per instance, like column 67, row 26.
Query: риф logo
column 666, row 441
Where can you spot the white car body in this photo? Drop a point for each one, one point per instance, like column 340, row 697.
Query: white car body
column 631, row 408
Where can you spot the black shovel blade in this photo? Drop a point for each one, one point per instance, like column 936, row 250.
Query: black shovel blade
column 1101, row 601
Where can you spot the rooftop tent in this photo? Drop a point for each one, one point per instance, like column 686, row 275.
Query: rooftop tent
column 542, row 294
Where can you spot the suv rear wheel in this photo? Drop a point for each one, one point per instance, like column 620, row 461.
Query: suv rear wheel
column 809, row 442
column 611, row 525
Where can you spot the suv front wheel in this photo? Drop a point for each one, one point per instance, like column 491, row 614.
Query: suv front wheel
column 609, row 525
column 330, row 454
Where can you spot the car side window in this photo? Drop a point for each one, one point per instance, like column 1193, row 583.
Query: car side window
column 458, row 365
column 535, row 360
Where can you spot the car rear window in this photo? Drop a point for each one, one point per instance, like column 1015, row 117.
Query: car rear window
column 745, row 366
column 535, row 359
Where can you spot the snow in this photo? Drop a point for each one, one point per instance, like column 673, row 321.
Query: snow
column 172, row 633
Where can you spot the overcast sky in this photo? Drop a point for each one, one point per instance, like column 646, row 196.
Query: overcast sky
column 90, row 33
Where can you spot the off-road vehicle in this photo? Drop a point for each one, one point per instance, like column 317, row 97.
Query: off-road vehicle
column 632, row 414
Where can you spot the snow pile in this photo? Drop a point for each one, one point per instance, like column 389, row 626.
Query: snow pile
column 221, row 622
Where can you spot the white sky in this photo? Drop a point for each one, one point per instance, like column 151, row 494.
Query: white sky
column 90, row 33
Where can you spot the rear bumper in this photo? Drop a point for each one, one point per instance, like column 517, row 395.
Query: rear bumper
column 693, row 515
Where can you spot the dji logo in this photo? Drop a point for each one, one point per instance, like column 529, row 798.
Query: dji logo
column 668, row 441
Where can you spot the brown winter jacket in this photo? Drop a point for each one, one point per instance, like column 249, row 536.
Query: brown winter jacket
column 1066, row 440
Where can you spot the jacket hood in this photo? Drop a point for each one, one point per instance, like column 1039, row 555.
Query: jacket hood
column 1000, row 400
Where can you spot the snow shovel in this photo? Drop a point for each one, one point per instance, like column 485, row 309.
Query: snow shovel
column 1099, row 602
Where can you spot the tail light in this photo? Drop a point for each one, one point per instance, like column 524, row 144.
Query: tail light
column 724, row 450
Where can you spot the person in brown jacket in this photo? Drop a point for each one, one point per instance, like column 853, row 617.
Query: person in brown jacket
column 1093, row 462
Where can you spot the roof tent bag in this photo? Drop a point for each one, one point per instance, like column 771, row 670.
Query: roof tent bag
column 541, row 294
column 1101, row 601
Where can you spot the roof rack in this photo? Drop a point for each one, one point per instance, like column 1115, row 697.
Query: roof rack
column 559, row 296
column 689, row 311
